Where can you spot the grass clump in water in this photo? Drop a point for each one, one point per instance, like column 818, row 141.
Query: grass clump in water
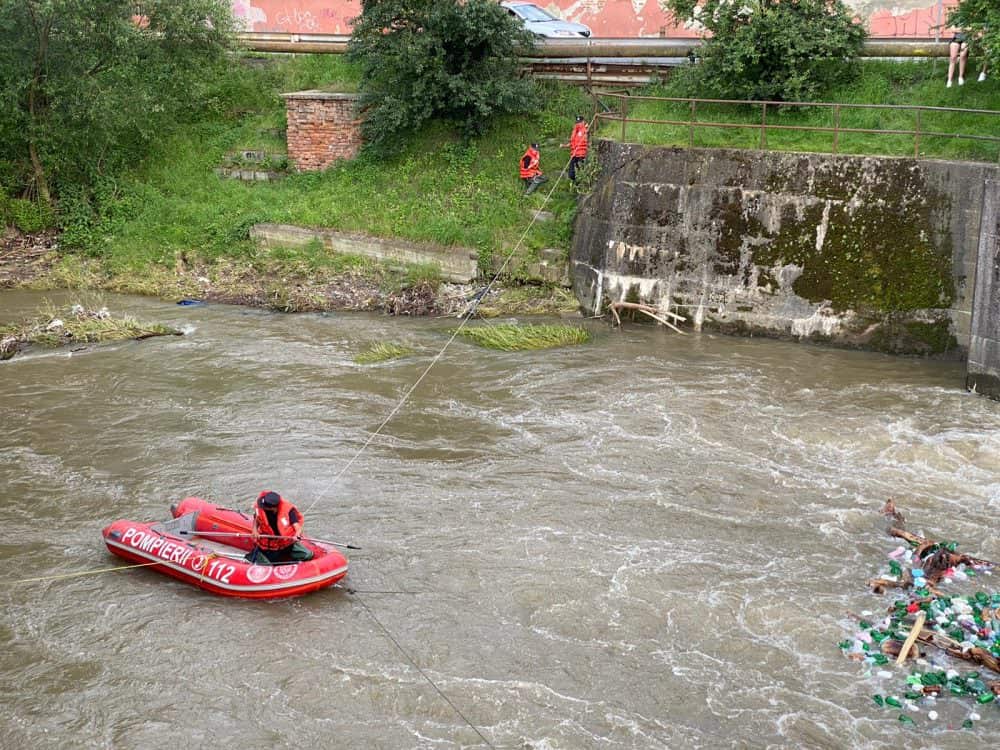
column 510, row 337
column 75, row 325
column 382, row 352
column 529, row 300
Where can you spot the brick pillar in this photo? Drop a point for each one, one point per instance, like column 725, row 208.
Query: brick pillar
column 322, row 128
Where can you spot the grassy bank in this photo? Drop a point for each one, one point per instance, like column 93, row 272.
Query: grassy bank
column 883, row 83
column 175, row 228
column 176, row 213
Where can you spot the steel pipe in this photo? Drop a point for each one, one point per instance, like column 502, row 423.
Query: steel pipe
column 593, row 47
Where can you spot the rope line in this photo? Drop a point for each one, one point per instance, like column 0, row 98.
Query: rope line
column 395, row 410
column 454, row 335
column 423, row 674
column 85, row 573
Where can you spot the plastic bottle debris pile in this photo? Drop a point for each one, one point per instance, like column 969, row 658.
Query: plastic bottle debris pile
column 954, row 630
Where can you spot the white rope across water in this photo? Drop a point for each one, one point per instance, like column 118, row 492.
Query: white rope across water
column 434, row 361
column 395, row 410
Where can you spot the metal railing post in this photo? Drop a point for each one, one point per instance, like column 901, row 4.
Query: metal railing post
column 691, row 127
column 590, row 79
column 763, row 127
column 624, row 114
column 916, row 137
column 836, row 127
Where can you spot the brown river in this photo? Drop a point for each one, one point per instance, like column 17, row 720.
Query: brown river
column 648, row 541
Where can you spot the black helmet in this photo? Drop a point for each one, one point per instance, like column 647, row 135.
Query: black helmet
column 579, row 118
column 268, row 499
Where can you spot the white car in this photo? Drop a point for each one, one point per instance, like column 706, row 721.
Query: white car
column 542, row 23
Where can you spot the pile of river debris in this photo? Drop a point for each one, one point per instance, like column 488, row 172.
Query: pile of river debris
column 75, row 326
column 932, row 633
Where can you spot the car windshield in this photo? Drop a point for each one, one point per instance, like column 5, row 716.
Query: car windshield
column 533, row 13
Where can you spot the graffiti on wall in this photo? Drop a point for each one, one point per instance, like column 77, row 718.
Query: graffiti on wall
column 919, row 19
column 297, row 16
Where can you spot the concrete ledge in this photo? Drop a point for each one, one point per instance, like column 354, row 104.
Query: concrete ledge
column 458, row 265
column 330, row 96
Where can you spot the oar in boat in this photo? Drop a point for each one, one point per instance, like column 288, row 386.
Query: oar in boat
column 266, row 536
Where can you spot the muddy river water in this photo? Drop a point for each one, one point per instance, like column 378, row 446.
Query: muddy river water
column 649, row 541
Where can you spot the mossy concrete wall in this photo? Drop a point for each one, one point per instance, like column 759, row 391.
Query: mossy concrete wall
column 866, row 252
column 983, row 371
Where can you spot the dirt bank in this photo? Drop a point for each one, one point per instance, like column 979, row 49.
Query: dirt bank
column 33, row 260
column 24, row 258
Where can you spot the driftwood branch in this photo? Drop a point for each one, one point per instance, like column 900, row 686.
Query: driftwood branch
column 945, row 643
column 952, row 647
column 647, row 308
column 923, row 544
column 935, row 565
column 654, row 313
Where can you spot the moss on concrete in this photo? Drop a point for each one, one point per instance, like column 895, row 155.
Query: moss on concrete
column 870, row 258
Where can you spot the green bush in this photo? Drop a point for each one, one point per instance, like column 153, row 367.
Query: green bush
column 426, row 59
column 772, row 50
column 30, row 216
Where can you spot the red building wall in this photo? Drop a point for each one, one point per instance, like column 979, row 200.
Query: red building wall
column 607, row 18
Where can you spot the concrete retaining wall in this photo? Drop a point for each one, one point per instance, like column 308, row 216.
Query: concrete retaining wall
column 867, row 252
column 459, row 265
column 984, row 350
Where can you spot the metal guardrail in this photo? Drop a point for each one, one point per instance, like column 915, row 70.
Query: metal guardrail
column 763, row 126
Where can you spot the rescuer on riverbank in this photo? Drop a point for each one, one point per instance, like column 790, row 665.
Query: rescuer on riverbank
column 577, row 146
column 277, row 526
column 531, row 170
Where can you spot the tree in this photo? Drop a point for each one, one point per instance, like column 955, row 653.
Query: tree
column 784, row 50
column 86, row 85
column 981, row 18
column 450, row 59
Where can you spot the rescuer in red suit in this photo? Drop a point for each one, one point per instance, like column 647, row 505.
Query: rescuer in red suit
column 577, row 146
column 277, row 526
column 531, row 170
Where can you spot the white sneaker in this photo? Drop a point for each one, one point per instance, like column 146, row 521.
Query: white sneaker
column 961, row 81
column 982, row 76
column 948, row 85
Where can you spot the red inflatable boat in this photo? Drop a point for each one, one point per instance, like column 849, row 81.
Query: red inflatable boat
column 205, row 544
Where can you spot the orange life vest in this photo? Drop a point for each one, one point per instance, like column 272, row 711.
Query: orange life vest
column 529, row 164
column 288, row 531
column 578, row 140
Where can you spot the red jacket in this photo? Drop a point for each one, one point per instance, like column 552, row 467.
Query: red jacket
column 578, row 140
column 530, row 163
column 287, row 519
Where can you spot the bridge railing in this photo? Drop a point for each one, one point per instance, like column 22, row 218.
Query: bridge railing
column 921, row 131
